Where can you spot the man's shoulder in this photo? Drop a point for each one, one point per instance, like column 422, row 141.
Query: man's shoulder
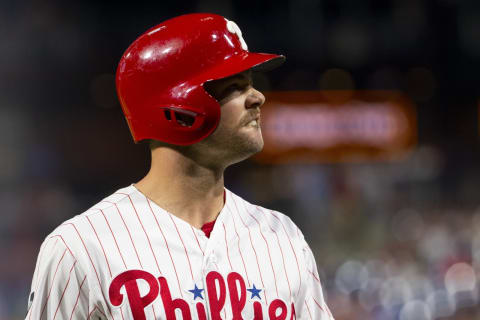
column 114, row 200
column 108, row 203
column 273, row 219
column 79, row 231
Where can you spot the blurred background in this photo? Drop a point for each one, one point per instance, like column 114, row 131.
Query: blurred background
column 394, row 238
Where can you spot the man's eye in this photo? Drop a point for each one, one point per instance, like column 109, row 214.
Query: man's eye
column 237, row 87
column 233, row 87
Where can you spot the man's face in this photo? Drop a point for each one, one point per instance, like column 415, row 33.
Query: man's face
column 238, row 135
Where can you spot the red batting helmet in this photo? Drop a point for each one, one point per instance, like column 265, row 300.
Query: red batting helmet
column 160, row 77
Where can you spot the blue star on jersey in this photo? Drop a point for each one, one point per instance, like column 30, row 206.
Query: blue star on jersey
column 255, row 292
column 197, row 293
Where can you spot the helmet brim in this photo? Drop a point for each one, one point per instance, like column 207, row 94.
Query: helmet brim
column 244, row 61
column 270, row 64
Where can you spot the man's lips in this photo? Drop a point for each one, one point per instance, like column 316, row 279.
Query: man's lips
column 249, row 119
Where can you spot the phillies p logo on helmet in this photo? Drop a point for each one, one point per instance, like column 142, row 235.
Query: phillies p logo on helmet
column 233, row 28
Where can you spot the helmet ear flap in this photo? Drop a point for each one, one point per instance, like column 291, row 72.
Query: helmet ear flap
column 183, row 117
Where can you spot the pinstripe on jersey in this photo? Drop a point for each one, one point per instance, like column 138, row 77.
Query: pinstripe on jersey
column 255, row 265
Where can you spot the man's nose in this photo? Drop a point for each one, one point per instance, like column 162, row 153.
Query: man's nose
column 255, row 98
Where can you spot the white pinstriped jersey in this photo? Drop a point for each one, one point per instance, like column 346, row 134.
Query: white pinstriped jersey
column 127, row 258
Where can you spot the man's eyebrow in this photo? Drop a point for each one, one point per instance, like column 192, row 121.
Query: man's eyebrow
column 235, row 79
column 245, row 75
column 239, row 77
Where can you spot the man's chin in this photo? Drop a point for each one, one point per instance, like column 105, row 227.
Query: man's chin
column 254, row 136
column 254, row 141
column 254, row 147
column 246, row 148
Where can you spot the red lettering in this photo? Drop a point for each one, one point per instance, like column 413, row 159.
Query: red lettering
column 276, row 305
column 170, row 305
column 202, row 315
column 216, row 302
column 237, row 302
column 216, row 292
column 129, row 280
column 257, row 311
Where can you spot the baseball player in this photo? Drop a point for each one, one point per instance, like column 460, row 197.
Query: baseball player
column 177, row 244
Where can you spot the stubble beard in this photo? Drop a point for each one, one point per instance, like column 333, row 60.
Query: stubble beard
column 243, row 146
column 230, row 147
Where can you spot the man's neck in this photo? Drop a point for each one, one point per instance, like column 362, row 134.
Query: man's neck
column 184, row 188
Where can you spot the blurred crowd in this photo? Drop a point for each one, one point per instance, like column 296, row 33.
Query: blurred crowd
column 426, row 271
column 391, row 241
